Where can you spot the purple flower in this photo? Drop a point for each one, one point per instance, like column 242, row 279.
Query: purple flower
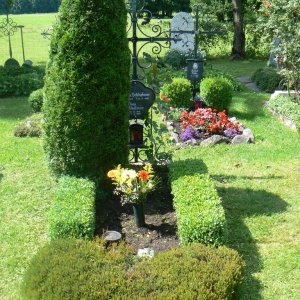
column 190, row 133
column 230, row 132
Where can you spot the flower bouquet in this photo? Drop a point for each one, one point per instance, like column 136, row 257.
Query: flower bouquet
column 133, row 187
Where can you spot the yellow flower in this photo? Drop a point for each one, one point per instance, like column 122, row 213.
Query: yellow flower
column 112, row 173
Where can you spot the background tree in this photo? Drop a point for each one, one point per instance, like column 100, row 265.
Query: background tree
column 87, row 82
column 29, row 6
column 166, row 8
column 280, row 20
column 239, row 40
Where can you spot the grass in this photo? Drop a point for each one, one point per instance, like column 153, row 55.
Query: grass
column 25, row 192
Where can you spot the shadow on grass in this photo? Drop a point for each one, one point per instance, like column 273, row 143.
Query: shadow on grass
column 250, row 105
column 15, row 108
column 240, row 204
column 188, row 167
column 1, row 176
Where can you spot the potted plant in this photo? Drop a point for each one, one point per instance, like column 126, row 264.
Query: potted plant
column 133, row 187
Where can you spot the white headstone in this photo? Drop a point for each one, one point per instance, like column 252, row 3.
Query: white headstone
column 182, row 22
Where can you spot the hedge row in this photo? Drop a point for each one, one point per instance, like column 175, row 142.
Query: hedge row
column 200, row 215
column 268, row 79
column 72, row 214
column 19, row 81
column 80, row 269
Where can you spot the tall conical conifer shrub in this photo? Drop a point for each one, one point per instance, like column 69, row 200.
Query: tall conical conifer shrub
column 87, row 87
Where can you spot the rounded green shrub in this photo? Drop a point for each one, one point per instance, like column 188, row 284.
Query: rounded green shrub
column 87, row 84
column 268, row 79
column 216, row 93
column 175, row 58
column 30, row 127
column 180, row 92
column 35, row 100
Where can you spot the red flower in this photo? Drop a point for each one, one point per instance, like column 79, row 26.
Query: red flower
column 143, row 175
column 268, row 5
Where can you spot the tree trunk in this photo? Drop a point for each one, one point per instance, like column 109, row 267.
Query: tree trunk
column 238, row 47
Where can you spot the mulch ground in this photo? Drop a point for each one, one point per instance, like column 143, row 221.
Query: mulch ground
column 160, row 232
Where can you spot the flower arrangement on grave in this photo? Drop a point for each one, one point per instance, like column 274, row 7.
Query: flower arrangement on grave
column 133, row 186
column 206, row 121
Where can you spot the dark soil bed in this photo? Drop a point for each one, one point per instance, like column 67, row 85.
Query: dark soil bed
column 160, row 232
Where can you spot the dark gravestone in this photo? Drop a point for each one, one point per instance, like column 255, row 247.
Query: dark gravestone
column 195, row 70
column 141, row 98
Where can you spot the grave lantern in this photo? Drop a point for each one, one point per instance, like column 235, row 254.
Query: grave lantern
column 198, row 102
column 136, row 139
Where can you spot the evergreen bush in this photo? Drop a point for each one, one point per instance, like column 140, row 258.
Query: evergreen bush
column 200, row 215
column 87, row 85
column 267, row 79
column 72, row 269
column 180, row 92
column 35, row 100
column 216, row 93
column 72, row 214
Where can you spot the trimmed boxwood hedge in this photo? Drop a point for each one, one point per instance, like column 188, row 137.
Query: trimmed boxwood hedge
column 72, row 214
column 200, row 215
column 72, row 269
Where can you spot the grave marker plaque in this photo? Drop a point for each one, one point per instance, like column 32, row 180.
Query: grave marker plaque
column 195, row 70
column 141, row 98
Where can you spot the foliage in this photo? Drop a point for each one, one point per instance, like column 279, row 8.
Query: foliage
column 177, row 59
column 268, row 79
column 76, row 269
column 180, row 92
column 204, row 122
column 113, row 273
column 216, row 93
column 200, row 215
column 287, row 108
column 132, row 186
column 31, row 127
column 279, row 20
column 214, row 72
column 30, row 6
column 86, row 90
column 18, row 81
column 35, row 100
column 162, row 8
column 72, row 214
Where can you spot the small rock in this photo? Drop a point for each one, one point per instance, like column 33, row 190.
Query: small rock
column 240, row 139
column 214, row 140
column 174, row 137
column 146, row 252
column 248, row 133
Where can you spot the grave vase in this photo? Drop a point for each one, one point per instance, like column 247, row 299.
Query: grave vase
column 139, row 215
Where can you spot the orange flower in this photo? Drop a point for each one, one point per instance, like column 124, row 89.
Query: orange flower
column 143, row 175
column 111, row 174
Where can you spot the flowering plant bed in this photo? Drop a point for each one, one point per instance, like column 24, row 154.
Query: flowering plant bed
column 204, row 122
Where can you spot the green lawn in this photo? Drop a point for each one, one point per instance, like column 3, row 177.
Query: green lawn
column 25, row 192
